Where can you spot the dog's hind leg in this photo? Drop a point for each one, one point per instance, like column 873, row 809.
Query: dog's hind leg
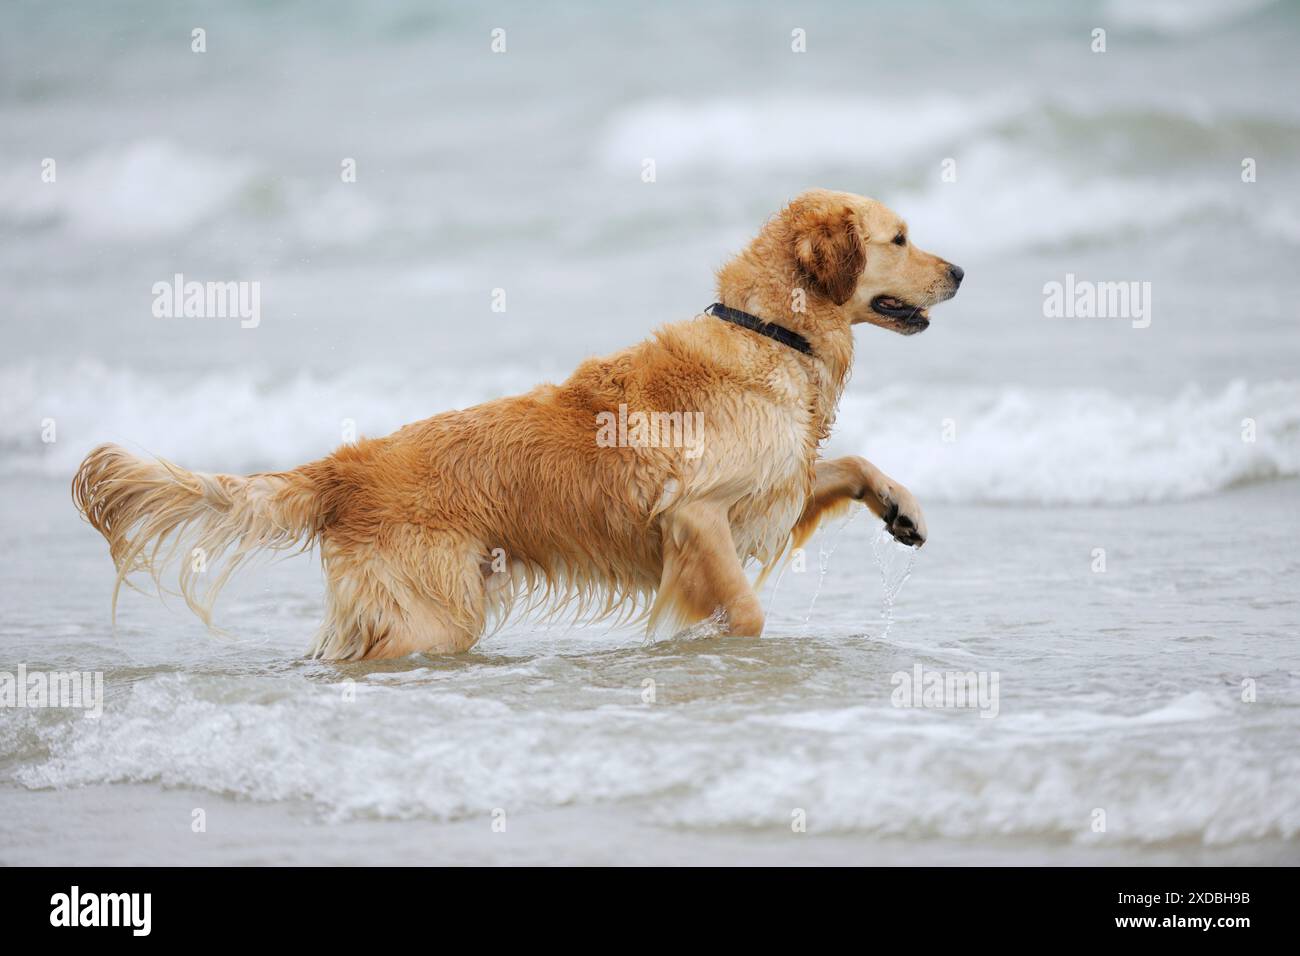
column 703, row 575
column 401, row 601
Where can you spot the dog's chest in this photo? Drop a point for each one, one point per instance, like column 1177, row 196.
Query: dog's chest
column 756, row 456
column 777, row 478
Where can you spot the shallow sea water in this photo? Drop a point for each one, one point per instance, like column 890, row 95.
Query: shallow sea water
column 1118, row 691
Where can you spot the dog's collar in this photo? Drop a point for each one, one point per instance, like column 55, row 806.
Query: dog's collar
column 752, row 322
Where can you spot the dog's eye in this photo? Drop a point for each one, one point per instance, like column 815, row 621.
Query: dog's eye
column 900, row 240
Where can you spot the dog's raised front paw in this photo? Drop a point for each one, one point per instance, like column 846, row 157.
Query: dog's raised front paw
column 903, row 516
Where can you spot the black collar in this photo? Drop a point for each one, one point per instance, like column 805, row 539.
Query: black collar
column 752, row 322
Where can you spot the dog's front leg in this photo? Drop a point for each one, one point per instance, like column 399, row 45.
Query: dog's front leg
column 842, row 480
column 702, row 574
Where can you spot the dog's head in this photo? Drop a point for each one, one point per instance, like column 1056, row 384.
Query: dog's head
column 856, row 252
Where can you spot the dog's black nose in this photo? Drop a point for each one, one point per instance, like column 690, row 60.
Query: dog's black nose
column 956, row 272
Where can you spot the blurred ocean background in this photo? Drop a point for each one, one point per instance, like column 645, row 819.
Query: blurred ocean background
column 522, row 171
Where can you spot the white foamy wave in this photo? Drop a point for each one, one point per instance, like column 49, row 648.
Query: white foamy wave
column 938, row 780
column 227, row 421
column 1067, row 446
column 146, row 189
column 155, row 189
column 785, row 132
column 1004, row 202
column 404, row 750
column 790, row 132
column 1180, row 17
column 1013, row 158
column 391, row 753
column 1074, row 446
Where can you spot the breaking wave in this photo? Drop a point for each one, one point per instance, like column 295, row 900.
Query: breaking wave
column 959, row 444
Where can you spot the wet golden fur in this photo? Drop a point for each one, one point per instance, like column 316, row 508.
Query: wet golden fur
column 430, row 535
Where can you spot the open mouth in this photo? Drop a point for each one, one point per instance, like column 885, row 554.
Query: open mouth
column 912, row 317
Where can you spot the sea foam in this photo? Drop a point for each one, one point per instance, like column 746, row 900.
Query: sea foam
column 958, row 444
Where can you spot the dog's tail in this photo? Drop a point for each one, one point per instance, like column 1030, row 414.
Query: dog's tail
column 149, row 510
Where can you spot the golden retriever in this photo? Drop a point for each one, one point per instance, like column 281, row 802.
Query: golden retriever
column 563, row 497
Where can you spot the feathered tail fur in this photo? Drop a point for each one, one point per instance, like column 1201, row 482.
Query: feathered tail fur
column 151, row 512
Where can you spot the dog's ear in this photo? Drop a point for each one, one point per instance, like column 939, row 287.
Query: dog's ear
column 829, row 249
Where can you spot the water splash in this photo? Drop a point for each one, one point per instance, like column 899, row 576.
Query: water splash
column 886, row 553
column 776, row 587
column 824, row 560
column 714, row 625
